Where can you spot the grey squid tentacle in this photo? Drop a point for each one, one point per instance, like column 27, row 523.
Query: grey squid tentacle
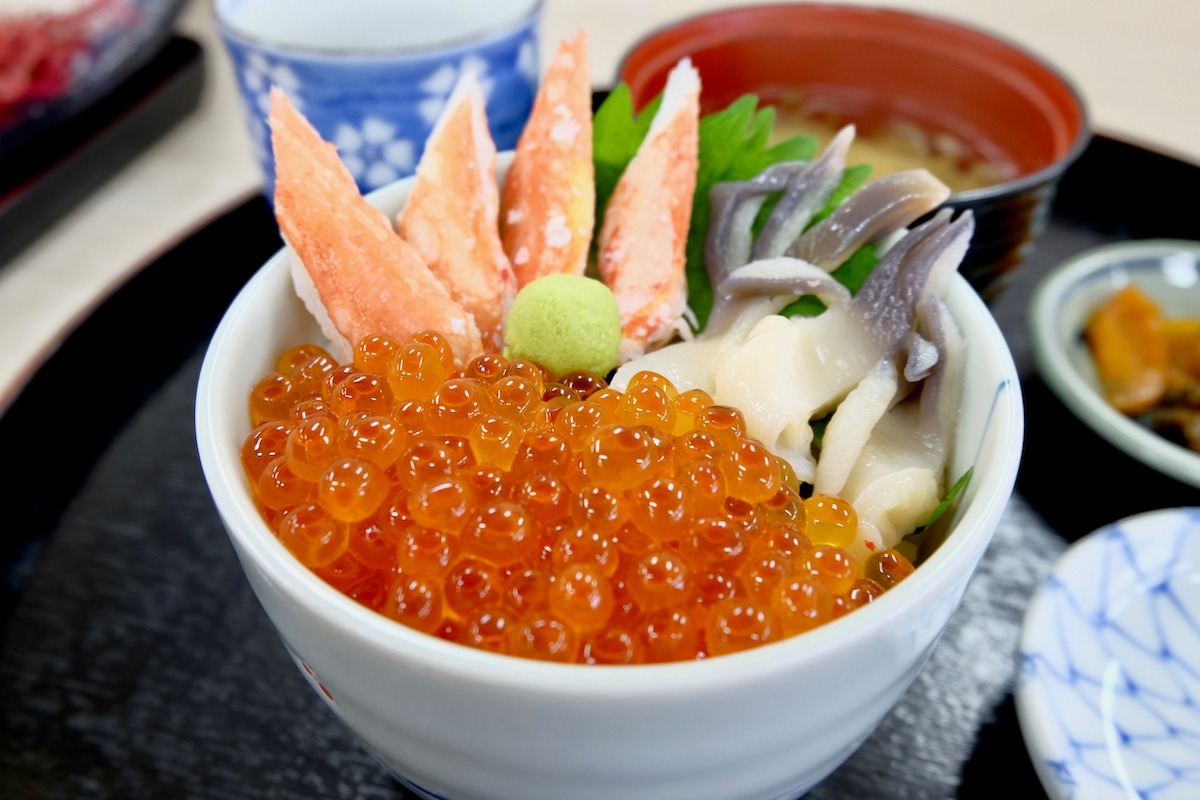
column 941, row 391
column 882, row 206
column 777, row 280
column 733, row 205
column 918, row 355
column 805, row 194
column 921, row 263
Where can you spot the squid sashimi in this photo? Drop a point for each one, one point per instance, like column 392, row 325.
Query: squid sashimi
column 356, row 275
column 641, row 246
column 451, row 215
column 899, row 460
column 547, row 207
column 789, row 372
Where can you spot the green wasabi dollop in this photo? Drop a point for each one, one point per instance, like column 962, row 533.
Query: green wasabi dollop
column 564, row 322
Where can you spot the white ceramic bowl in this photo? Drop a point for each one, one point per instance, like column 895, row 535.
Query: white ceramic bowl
column 1168, row 271
column 453, row 722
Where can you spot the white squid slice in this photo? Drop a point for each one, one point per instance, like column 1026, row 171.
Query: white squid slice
column 689, row 364
column 748, row 294
column 851, row 426
column 791, row 370
column 898, row 477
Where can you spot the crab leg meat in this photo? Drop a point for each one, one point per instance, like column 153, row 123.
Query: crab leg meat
column 547, row 207
column 357, row 276
column 643, row 239
column 451, row 215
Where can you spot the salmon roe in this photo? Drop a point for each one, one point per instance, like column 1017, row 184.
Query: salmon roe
column 505, row 508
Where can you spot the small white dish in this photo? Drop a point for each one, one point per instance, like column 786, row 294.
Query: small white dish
column 1168, row 271
column 1108, row 687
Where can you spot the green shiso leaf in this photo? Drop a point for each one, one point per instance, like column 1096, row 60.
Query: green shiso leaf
column 818, row 427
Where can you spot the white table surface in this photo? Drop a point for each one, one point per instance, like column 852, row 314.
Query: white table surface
column 1135, row 63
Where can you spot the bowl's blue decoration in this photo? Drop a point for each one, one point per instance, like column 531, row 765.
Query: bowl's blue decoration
column 379, row 109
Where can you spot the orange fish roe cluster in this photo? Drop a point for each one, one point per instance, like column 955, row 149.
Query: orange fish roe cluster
column 503, row 507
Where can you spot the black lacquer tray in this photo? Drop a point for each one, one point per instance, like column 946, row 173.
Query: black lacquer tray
column 135, row 661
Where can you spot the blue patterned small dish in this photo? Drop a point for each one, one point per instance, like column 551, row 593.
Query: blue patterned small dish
column 1108, row 691
column 372, row 75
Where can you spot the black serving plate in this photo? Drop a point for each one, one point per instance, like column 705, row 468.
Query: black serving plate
column 135, row 661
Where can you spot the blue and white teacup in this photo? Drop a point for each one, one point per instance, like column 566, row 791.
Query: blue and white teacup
column 372, row 76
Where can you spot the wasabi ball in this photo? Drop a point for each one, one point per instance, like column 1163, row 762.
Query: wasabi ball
column 564, row 322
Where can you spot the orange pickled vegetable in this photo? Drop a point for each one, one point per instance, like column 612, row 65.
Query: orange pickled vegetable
column 1183, row 344
column 1128, row 345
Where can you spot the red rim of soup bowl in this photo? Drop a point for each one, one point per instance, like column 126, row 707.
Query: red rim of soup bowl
column 998, row 98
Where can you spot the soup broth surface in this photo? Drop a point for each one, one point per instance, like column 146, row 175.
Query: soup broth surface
column 893, row 145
